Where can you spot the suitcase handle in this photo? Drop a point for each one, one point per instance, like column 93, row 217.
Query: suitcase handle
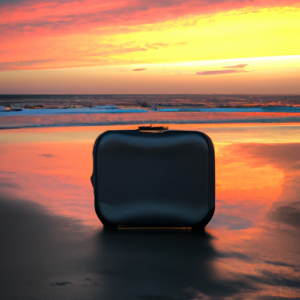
column 153, row 128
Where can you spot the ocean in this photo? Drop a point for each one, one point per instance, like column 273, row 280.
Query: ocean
column 18, row 111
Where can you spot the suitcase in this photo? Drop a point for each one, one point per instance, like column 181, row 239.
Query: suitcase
column 154, row 177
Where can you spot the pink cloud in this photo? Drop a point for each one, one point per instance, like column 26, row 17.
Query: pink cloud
column 76, row 16
column 221, row 72
column 139, row 69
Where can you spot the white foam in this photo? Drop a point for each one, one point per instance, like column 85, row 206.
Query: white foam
column 66, row 111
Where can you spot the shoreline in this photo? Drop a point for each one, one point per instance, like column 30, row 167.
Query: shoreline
column 116, row 110
column 231, row 123
column 208, row 125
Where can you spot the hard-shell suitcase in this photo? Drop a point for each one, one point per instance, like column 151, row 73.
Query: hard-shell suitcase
column 152, row 177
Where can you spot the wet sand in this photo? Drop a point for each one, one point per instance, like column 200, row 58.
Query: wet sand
column 54, row 247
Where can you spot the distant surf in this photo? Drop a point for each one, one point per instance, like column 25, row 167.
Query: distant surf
column 17, row 111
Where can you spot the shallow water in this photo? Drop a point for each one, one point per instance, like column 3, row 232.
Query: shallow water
column 54, row 244
column 18, row 121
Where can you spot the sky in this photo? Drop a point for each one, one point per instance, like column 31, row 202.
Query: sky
column 143, row 46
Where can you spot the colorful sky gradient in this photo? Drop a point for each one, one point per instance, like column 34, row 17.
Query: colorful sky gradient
column 157, row 46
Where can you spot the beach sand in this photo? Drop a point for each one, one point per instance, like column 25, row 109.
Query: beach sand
column 54, row 247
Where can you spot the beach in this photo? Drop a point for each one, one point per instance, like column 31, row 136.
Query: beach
column 73, row 70
column 54, row 246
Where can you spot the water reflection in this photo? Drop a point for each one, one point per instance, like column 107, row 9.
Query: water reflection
column 258, row 215
column 250, row 248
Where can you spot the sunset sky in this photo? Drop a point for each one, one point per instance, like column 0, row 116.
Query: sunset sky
column 157, row 46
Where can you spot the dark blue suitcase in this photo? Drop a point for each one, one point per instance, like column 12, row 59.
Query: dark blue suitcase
column 153, row 177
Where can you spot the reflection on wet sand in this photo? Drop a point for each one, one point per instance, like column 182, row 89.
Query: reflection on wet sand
column 259, row 215
column 54, row 245
column 58, row 258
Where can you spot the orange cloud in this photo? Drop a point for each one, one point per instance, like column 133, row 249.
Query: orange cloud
column 236, row 66
column 17, row 65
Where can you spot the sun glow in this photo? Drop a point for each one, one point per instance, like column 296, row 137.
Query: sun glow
column 241, row 33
